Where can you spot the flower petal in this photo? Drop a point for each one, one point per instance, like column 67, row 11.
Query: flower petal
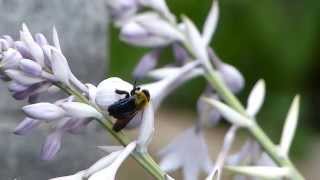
column 34, row 49
column 198, row 46
column 232, row 77
column 290, row 126
column 211, row 22
column 146, row 63
column 106, row 94
column 256, row 98
column 146, row 130
column 30, row 67
column 26, row 126
column 229, row 114
column 60, row 66
column 101, row 164
column 41, row 39
column 51, row 146
column 22, row 78
column 55, row 38
column 110, row 171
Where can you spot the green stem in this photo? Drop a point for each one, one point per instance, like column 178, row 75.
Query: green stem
column 144, row 159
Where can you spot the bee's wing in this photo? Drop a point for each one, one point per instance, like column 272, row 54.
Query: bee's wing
column 122, row 123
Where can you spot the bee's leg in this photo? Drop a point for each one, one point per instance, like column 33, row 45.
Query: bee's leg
column 122, row 92
column 120, row 124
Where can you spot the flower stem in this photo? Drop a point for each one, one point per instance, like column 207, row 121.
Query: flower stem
column 144, row 159
column 255, row 130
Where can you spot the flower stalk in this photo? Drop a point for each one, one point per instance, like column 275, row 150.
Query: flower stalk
column 255, row 130
column 144, row 159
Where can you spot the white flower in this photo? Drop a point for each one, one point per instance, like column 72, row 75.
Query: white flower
column 106, row 96
column 105, row 168
column 110, row 171
column 149, row 30
column 188, row 151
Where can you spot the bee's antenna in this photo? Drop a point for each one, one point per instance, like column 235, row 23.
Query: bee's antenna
column 135, row 84
column 134, row 87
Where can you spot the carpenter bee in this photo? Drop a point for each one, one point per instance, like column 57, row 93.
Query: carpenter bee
column 125, row 109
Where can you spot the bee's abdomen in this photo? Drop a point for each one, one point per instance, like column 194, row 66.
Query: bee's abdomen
column 122, row 108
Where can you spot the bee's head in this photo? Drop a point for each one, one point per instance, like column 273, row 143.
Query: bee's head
column 140, row 92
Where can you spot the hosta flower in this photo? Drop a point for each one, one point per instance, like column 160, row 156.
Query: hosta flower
column 149, row 30
column 105, row 168
column 189, row 152
column 231, row 76
column 148, row 62
column 130, row 109
column 208, row 115
column 64, row 116
column 32, row 65
column 170, row 79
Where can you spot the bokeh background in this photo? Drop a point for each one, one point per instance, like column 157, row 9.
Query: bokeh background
column 277, row 40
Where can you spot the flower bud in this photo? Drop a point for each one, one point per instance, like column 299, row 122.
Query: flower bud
column 4, row 45
column 60, row 66
column 30, row 67
column 149, row 30
column 51, row 146
column 23, row 49
column 41, row 39
column 146, row 63
column 26, row 125
column 232, row 77
column 22, row 78
column 10, row 59
column 44, row 111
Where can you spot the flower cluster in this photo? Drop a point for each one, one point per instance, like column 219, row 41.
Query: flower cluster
column 32, row 66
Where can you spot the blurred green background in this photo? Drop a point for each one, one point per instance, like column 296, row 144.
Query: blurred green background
column 276, row 40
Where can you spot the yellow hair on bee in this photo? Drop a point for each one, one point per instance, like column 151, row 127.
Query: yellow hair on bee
column 141, row 99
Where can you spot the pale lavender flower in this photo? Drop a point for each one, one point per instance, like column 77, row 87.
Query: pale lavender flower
column 26, row 126
column 170, row 81
column 149, row 30
column 189, row 152
column 180, row 54
column 208, row 115
column 33, row 64
column 64, row 116
column 148, row 62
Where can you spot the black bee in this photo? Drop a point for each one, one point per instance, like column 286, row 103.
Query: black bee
column 125, row 109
